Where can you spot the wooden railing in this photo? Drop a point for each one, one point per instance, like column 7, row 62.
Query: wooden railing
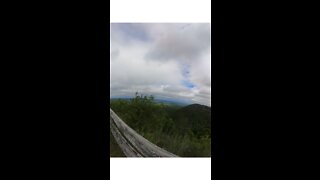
column 131, row 143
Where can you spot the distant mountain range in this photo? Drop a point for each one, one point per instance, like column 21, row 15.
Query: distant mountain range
column 173, row 102
column 159, row 100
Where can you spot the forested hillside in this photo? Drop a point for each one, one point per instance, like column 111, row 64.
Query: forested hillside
column 184, row 131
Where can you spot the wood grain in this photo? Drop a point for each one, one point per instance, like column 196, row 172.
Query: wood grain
column 131, row 143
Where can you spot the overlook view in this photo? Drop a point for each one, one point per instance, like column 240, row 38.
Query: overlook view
column 160, row 90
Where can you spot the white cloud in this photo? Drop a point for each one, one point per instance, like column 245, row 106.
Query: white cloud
column 152, row 58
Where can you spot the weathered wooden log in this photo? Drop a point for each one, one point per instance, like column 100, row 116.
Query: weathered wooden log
column 131, row 143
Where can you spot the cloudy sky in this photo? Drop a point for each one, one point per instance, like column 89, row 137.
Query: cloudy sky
column 169, row 61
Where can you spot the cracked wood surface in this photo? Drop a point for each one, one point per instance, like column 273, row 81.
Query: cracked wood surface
column 131, row 143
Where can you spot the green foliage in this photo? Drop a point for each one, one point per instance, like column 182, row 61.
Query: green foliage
column 183, row 131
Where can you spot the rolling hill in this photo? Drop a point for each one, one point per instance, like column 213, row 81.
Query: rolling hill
column 194, row 117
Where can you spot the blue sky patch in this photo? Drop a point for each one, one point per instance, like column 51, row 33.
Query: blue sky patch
column 188, row 84
column 134, row 32
column 186, row 75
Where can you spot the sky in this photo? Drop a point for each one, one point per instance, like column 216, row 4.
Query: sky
column 170, row 61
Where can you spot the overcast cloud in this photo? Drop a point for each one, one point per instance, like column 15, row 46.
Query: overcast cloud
column 169, row 61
